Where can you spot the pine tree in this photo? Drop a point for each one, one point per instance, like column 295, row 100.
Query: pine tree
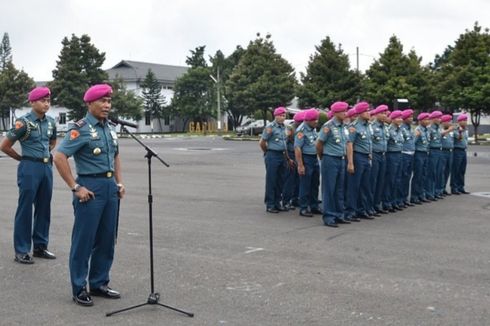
column 152, row 97
column 5, row 52
column 78, row 67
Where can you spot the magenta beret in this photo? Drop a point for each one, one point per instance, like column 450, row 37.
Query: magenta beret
column 435, row 115
column 446, row 118
column 423, row 116
column 300, row 116
column 407, row 113
column 396, row 114
column 339, row 107
column 329, row 114
column 311, row 114
column 351, row 112
column 39, row 93
column 361, row 107
column 96, row 92
column 280, row 110
column 462, row 117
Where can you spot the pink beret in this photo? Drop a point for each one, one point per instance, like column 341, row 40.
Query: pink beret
column 407, row 113
column 39, row 93
column 351, row 112
column 311, row 115
column 446, row 118
column 329, row 114
column 96, row 92
column 423, row 116
column 396, row 114
column 380, row 109
column 300, row 116
column 280, row 110
column 361, row 107
column 462, row 117
column 339, row 107
column 435, row 115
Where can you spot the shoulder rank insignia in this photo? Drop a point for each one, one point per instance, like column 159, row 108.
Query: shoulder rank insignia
column 80, row 123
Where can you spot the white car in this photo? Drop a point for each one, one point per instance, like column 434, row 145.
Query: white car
column 251, row 128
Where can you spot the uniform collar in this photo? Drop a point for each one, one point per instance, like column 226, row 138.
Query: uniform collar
column 336, row 122
column 35, row 117
column 93, row 120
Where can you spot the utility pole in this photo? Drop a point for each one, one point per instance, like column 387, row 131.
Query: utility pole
column 218, row 118
column 357, row 58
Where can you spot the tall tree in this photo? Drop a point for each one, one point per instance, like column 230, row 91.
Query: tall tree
column 263, row 79
column 328, row 78
column 125, row 103
column 396, row 75
column 464, row 76
column 5, row 51
column 78, row 67
column 153, row 100
column 14, row 86
column 196, row 59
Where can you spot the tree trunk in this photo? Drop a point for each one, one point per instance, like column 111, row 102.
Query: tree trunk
column 475, row 121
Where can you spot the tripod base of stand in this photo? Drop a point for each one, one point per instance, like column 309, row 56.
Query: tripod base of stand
column 153, row 299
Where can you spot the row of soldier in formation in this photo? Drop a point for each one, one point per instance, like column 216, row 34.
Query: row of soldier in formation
column 372, row 161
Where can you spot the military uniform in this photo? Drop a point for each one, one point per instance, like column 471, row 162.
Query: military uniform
column 290, row 192
column 459, row 160
column 393, row 167
column 447, row 142
column 421, row 159
column 333, row 135
column 408, row 152
column 275, row 163
column 359, row 195
column 35, row 181
column 94, row 146
column 305, row 140
column 378, row 168
column 434, row 175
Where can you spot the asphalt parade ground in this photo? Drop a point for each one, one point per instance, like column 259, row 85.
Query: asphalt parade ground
column 219, row 255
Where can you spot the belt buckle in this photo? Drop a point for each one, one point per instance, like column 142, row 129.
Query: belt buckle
column 45, row 160
column 109, row 174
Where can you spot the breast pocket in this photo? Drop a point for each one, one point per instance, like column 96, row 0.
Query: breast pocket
column 97, row 146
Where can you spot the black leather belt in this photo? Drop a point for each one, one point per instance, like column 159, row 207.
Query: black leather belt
column 459, row 149
column 361, row 153
column 108, row 174
column 421, row 152
column 447, row 149
column 37, row 159
column 337, row 157
column 379, row 153
column 436, row 148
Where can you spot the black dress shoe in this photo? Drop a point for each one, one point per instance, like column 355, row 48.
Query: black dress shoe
column 289, row 207
column 305, row 213
column 332, row 224
column 282, row 209
column 455, row 193
column 432, row 198
column 446, row 193
column 398, row 208
column 106, row 292
column 83, row 299
column 354, row 219
column 24, row 259
column 375, row 214
column 382, row 211
column 342, row 221
column 316, row 211
column 465, row 192
column 416, row 202
column 439, row 197
column 408, row 204
column 365, row 216
column 425, row 200
column 43, row 253
column 272, row 210
column 391, row 210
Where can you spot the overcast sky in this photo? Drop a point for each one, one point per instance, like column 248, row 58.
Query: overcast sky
column 164, row 31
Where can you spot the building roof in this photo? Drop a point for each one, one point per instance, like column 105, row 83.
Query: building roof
column 136, row 70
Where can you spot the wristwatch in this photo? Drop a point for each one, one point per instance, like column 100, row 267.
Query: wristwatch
column 76, row 187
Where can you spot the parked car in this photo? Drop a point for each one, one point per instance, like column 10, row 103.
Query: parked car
column 251, row 128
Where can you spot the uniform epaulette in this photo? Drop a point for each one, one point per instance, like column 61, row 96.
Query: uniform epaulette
column 80, row 123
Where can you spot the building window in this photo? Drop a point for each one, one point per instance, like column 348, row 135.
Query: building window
column 167, row 120
column 62, row 120
column 147, row 118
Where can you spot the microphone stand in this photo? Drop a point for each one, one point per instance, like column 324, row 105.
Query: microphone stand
column 154, row 297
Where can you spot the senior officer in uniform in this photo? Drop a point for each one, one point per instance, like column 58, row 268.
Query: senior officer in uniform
column 408, row 152
column 93, row 144
column 273, row 144
column 393, row 162
column 308, row 167
column 378, row 167
column 447, row 142
column 359, row 150
column 421, row 159
column 331, row 150
column 434, row 174
column 459, row 156
column 36, row 133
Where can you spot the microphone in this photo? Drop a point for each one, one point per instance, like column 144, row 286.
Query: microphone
column 122, row 122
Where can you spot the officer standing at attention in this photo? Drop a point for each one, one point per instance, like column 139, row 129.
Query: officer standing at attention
column 408, row 152
column 308, row 167
column 93, row 143
column 378, row 168
column 393, row 162
column 273, row 144
column 290, row 191
column 359, row 168
column 331, row 150
column 459, row 156
column 421, row 159
column 36, row 133
column 434, row 174
column 447, row 142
